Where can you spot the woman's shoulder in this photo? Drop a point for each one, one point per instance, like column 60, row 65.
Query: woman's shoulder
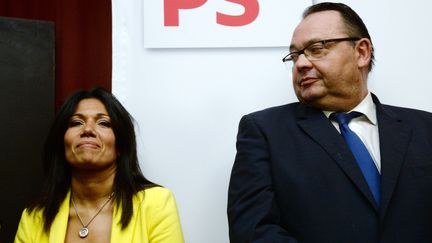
column 155, row 194
column 34, row 215
column 30, row 226
column 157, row 208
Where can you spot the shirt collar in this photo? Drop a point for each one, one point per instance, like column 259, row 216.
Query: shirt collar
column 366, row 107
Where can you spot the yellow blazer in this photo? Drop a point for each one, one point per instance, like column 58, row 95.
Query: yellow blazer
column 155, row 220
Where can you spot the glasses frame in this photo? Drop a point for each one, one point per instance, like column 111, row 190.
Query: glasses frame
column 289, row 58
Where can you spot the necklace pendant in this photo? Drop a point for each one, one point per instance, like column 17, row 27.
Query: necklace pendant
column 83, row 232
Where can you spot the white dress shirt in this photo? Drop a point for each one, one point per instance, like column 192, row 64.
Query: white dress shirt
column 366, row 127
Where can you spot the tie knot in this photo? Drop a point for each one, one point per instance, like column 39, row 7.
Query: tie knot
column 343, row 118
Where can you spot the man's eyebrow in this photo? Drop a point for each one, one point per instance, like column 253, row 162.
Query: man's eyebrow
column 292, row 47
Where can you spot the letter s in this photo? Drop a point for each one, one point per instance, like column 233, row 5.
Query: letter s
column 250, row 14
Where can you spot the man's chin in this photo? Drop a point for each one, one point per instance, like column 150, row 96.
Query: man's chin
column 310, row 98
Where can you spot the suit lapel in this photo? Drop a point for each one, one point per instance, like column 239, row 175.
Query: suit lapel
column 319, row 128
column 394, row 137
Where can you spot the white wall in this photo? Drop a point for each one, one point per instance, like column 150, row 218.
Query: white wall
column 401, row 33
column 187, row 102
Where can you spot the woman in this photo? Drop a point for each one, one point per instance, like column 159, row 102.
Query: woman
column 94, row 190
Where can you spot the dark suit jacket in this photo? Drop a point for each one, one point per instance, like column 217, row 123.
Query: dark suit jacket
column 295, row 180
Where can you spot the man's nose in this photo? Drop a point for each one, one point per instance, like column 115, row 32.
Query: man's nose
column 302, row 62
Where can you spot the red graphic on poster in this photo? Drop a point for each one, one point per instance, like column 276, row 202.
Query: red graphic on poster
column 172, row 8
column 250, row 14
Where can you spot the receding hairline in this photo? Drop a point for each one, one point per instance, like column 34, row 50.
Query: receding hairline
column 348, row 28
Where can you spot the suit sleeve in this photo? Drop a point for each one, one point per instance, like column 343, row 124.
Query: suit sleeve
column 253, row 213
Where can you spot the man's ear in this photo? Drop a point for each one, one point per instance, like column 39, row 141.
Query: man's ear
column 364, row 52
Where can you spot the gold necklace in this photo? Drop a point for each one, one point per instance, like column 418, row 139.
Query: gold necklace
column 84, row 231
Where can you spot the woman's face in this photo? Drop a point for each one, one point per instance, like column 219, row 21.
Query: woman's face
column 89, row 140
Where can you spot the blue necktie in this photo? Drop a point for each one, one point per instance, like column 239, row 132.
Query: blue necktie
column 360, row 152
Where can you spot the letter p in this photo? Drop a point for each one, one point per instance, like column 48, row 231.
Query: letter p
column 172, row 7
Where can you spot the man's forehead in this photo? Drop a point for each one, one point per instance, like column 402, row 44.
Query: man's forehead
column 318, row 26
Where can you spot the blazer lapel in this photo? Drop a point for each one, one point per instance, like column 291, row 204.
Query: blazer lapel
column 319, row 128
column 59, row 226
column 394, row 137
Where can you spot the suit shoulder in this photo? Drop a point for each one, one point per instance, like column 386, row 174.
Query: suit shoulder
column 271, row 119
column 282, row 110
column 412, row 116
column 408, row 112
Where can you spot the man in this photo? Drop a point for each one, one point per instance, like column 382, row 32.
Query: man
column 304, row 174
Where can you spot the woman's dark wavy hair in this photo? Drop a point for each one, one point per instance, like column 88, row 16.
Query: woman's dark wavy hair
column 352, row 21
column 128, row 179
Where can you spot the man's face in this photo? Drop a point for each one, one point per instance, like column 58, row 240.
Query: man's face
column 336, row 81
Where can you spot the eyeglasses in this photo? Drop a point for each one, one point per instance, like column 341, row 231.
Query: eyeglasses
column 315, row 50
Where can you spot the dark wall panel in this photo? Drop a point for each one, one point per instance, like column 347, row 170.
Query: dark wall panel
column 26, row 112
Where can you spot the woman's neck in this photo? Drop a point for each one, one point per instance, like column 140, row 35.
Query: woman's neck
column 89, row 187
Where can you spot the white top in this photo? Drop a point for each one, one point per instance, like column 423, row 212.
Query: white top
column 366, row 127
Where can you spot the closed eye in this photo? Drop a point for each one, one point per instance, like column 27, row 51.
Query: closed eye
column 75, row 123
column 105, row 123
column 315, row 49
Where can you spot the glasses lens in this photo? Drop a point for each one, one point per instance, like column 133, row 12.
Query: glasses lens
column 289, row 65
column 316, row 51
